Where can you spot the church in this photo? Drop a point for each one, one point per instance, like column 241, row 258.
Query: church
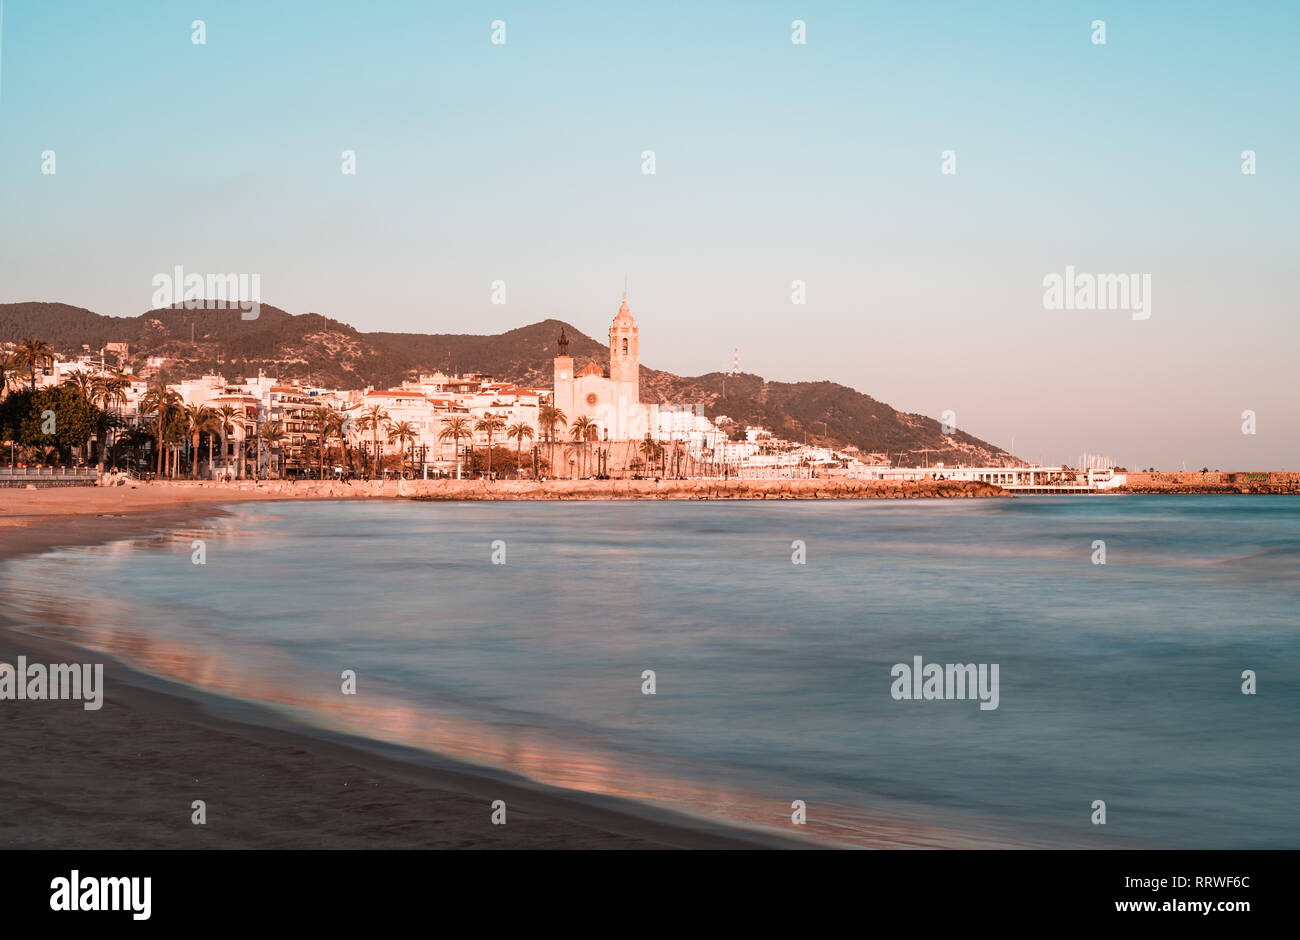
column 609, row 397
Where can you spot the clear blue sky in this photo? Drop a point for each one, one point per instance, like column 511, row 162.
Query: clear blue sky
column 775, row 162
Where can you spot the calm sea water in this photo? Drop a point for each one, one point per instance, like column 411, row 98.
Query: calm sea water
column 1118, row 682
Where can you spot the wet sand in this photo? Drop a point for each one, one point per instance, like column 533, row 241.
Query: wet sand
column 125, row 776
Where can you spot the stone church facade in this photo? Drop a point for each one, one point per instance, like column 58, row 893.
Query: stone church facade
column 611, row 397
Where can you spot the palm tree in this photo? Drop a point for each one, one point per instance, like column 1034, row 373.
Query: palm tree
column 327, row 422
column 162, row 401
column 454, row 430
column 199, row 419
column 225, row 425
column 249, row 425
column 33, row 354
column 272, row 434
column 109, row 394
column 491, row 424
column 581, row 430
column 338, row 426
column 372, row 419
column 84, row 383
column 518, row 432
column 403, row 432
column 650, row 450
column 174, row 437
column 331, row 425
column 548, row 416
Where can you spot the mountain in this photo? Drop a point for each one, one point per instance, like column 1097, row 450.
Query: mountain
column 328, row 352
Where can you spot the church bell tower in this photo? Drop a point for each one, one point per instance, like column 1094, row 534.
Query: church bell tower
column 624, row 352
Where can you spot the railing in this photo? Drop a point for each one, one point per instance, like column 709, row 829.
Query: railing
column 37, row 474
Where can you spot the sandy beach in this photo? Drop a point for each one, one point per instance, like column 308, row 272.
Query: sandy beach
column 125, row 776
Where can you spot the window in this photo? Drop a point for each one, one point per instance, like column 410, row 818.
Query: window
column 625, row 345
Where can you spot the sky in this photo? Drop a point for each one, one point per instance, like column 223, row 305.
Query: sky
column 775, row 162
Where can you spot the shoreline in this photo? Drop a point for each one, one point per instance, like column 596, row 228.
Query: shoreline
column 125, row 776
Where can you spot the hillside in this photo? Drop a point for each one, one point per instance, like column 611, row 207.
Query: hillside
column 315, row 348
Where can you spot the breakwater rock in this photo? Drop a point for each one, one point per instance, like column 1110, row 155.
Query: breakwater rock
column 1212, row 482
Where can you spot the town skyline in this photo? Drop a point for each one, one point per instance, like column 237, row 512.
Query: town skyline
column 1068, row 456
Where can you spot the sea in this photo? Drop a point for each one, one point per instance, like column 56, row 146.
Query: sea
column 738, row 662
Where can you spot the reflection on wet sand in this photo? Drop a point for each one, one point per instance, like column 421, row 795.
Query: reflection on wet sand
column 260, row 674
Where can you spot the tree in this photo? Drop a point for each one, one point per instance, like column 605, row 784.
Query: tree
column 134, row 438
column 272, row 434
column 332, row 425
column 328, row 423
column 13, row 412
column 549, row 417
column 175, row 432
column 490, row 424
column 650, row 449
column 403, row 432
column 163, row 403
column 225, row 422
column 109, row 393
column 83, row 383
column 56, row 418
column 33, row 354
column 518, row 432
column 454, row 430
column 581, row 431
column 372, row 419
column 199, row 419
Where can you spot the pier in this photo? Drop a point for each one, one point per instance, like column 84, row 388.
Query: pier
column 1028, row 479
